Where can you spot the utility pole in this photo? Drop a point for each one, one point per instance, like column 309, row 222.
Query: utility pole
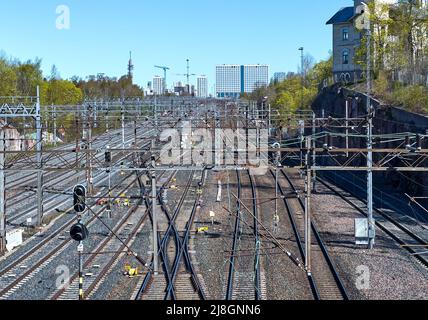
column 2, row 193
column 155, row 221
column 363, row 23
column 95, row 116
column 277, row 164
column 370, row 144
column 89, row 178
column 347, row 126
column 77, row 132
column 156, row 112
column 123, row 126
column 108, row 159
column 54, row 125
column 314, row 153
column 107, row 126
column 308, row 222
column 39, row 159
column 301, row 138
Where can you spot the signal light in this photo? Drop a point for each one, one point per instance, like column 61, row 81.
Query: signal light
column 107, row 156
column 79, row 198
column 79, row 232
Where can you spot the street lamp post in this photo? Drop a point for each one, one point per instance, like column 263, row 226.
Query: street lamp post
column 301, row 49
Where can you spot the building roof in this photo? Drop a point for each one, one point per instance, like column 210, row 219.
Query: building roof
column 343, row 15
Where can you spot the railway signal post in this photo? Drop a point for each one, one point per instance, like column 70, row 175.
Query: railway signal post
column 108, row 159
column 79, row 232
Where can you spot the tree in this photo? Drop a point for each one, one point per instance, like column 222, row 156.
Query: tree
column 29, row 76
column 287, row 95
column 8, row 78
column 321, row 71
column 400, row 52
column 54, row 73
column 60, row 92
column 103, row 87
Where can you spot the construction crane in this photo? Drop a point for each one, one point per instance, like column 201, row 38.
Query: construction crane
column 165, row 69
column 187, row 75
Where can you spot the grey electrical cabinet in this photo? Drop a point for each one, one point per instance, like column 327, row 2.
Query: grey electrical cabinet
column 361, row 232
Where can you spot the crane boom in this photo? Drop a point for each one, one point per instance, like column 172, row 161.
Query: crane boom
column 165, row 69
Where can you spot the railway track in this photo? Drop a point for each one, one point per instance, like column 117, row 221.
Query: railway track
column 245, row 276
column 405, row 237
column 15, row 180
column 54, row 201
column 179, row 281
column 98, row 264
column 325, row 281
column 34, row 260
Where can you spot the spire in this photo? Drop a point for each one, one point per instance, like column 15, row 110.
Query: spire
column 130, row 66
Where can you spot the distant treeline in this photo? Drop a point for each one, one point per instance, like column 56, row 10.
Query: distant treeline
column 18, row 78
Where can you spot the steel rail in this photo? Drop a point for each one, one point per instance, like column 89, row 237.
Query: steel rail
column 322, row 246
column 51, row 253
column 41, row 244
column 184, row 250
column 418, row 255
column 229, row 289
column 257, row 238
column 299, row 240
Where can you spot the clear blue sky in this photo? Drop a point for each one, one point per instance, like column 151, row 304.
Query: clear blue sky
column 166, row 32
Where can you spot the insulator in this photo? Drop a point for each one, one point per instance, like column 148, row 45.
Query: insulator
column 407, row 141
column 418, row 142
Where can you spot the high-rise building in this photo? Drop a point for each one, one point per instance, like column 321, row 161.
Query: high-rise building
column 279, row 76
column 234, row 80
column 202, row 87
column 158, row 85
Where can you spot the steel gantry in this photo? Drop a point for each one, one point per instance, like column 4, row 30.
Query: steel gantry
column 20, row 107
column 401, row 152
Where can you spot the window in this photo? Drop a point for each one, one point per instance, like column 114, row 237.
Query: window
column 345, row 56
column 345, row 34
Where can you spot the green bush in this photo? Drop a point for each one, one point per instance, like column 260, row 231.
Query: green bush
column 412, row 98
